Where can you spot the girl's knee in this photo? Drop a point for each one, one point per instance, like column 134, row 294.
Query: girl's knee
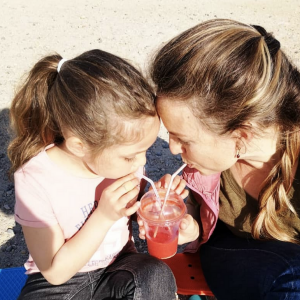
column 156, row 271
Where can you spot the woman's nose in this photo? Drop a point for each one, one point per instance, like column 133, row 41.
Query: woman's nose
column 175, row 146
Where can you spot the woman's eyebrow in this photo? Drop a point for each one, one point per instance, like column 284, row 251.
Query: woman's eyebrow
column 177, row 134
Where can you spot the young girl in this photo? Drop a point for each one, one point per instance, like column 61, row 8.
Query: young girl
column 230, row 99
column 82, row 130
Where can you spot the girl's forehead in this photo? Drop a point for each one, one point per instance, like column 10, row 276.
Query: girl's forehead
column 135, row 131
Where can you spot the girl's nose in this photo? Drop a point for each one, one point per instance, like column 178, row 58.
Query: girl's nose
column 142, row 159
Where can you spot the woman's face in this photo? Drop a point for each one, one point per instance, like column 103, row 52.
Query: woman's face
column 199, row 148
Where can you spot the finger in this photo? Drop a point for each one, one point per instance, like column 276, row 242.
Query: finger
column 184, row 224
column 175, row 183
column 130, row 184
column 167, row 179
column 142, row 233
column 180, row 186
column 127, row 187
column 131, row 202
column 126, row 198
column 140, row 222
column 142, row 237
column 119, row 182
column 157, row 184
column 184, row 194
column 131, row 210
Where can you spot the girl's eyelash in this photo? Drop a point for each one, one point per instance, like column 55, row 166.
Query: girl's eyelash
column 129, row 159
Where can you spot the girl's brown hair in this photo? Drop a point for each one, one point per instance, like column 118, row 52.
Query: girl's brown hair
column 91, row 96
column 231, row 74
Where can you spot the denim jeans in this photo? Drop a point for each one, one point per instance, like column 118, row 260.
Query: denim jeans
column 246, row 269
column 132, row 276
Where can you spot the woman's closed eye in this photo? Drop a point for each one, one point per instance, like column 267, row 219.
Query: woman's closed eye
column 179, row 140
column 183, row 142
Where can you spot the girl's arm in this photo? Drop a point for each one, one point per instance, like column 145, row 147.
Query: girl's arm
column 58, row 260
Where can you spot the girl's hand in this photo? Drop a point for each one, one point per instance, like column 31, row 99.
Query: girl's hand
column 142, row 231
column 188, row 230
column 119, row 199
column 178, row 185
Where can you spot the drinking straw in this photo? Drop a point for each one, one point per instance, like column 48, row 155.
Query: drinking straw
column 170, row 184
column 167, row 195
column 152, row 184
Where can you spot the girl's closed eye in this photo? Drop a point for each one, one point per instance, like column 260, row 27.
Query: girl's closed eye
column 129, row 159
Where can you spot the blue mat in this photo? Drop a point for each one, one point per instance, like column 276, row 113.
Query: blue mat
column 11, row 282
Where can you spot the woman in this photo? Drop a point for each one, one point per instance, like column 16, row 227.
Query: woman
column 230, row 99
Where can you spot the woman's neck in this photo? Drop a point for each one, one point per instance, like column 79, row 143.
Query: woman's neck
column 262, row 151
column 260, row 155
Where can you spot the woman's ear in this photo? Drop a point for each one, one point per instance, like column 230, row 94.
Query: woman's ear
column 75, row 146
column 243, row 137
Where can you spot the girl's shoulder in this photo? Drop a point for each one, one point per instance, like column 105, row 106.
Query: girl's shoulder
column 38, row 164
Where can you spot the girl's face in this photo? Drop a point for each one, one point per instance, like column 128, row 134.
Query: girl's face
column 199, row 148
column 119, row 160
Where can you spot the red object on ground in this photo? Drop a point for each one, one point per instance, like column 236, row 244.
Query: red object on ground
column 187, row 270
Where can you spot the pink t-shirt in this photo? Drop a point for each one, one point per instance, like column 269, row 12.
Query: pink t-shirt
column 47, row 195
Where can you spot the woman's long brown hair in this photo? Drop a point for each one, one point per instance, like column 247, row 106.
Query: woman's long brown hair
column 231, row 74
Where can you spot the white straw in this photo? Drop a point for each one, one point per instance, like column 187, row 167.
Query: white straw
column 170, row 184
column 152, row 184
column 167, row 195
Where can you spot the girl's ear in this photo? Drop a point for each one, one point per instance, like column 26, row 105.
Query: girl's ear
column 75, row 146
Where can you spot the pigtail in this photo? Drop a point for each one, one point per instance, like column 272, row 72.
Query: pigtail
column 31, row 118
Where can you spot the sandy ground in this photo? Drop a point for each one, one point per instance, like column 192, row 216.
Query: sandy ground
column 132, row 29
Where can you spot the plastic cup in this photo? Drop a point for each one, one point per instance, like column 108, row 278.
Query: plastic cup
column 162, row 228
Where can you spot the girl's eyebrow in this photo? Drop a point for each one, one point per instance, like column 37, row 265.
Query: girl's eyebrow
column 135, row 153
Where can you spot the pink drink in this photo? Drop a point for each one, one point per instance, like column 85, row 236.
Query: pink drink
column 162, row 228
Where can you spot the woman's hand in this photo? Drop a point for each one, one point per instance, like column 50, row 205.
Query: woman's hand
column 178, row 185
column 188, row 230
column 119, row 199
